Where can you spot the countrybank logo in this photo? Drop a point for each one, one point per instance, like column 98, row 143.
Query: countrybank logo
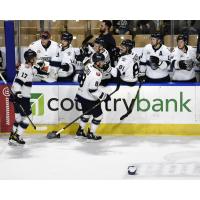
column 37, row 104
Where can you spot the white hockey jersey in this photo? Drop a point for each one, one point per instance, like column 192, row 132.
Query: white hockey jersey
column 23, row 80
column 45, row 54
column 105, row 75
column 67, row 56
column 89, row 85
column 183, row 74
column 163, row 54
column 128, row 66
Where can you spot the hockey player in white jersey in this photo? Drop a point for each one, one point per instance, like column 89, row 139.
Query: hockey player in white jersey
column 98, row 47
column 66, row 71
column 46, row 49
column 21, row 89
column 127, row 67
column 183, row 61
column 155, row 61
column 89, row 95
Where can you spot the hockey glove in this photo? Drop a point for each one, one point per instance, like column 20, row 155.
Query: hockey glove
column 154, row 62
column 141, row 77
column 107, row 97
column 18, row 97
column 198, row 57
column 182, row 64
column 41, row 70
column 65, row 67
column 189, row 64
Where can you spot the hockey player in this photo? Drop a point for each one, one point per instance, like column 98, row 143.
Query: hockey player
column 67, row 58
column 89, row 95
column 46, row 49
column 99, row 48
column 155, row 61
column 21, row 89
column 183, row 61
column 127, row 67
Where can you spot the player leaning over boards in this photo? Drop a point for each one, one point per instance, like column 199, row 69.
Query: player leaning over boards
column 46, row 49
column 89, row 95
column 155, row 61
column 183, row 61
column 127, row 67
column 21, row 90
column 98, row 47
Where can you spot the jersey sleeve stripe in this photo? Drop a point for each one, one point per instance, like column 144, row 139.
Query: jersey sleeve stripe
column 20, row 82
column 28, row 84
column 55, row 64
column 92, row 90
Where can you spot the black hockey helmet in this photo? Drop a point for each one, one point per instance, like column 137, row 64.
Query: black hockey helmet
column 128, row 43
column 98, row 57
column 157, row 35
column 29, row 54
column 100, row 41
column 67, row 36
column 182, row 37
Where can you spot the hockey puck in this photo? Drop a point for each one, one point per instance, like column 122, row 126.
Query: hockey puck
column 132, row 170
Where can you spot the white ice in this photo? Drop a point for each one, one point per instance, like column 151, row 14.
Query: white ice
column 67, row 158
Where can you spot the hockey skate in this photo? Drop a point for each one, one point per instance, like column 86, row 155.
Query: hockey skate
column 92, row 137
column 80, row 134
column 14, row 138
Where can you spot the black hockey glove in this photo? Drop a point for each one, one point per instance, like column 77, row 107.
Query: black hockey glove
column 18, row 97
column 198, row 57
column 65, row 67
column 41, row 70
column 182, row 64
column 141, row 77
column 80, row 57
column 154, row 62
column 107, row 98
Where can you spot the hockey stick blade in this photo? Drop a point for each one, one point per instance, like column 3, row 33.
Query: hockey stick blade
column 130, row 109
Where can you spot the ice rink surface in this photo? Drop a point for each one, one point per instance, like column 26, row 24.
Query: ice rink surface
column 67, row 158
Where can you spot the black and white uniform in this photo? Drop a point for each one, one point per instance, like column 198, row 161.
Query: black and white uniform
column 159, row 73
column 105, row 75
column 22, row 84
column 127, row 68
column 189, row 57
column 66, row 71
column 89, row 95
column 46, row 54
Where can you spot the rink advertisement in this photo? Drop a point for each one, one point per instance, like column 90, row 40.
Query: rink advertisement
column 6, row 110
column 159, row 109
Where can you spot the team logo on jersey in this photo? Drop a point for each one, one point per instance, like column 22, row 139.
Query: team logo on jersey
column 148, row 52
column 38, row 51
column 98, row 73
column 37, row 104
column 123, row 59
column 68, row 53
column 160, row 54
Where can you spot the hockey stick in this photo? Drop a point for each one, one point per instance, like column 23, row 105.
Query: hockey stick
column 86, row 40
column 130, row 109
column 55, row 134
column 20, row 106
